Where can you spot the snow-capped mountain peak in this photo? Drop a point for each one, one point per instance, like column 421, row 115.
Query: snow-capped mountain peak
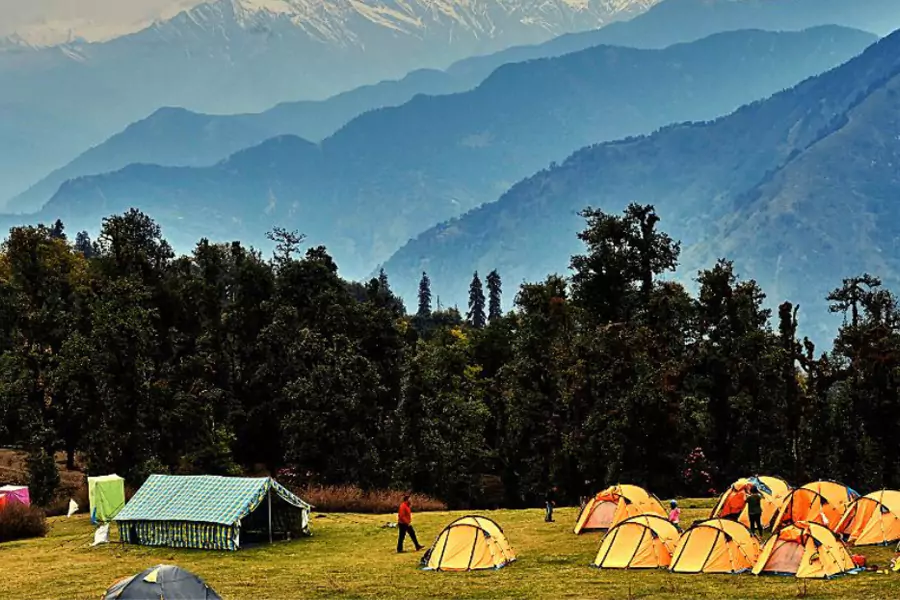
column 343, row 21
column 333, row 20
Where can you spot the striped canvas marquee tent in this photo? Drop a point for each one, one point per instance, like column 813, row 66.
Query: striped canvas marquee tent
column 211, row 512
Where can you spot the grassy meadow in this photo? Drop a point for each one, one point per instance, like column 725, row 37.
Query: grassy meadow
column 354, row 556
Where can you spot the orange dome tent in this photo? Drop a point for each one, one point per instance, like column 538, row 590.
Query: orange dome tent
column 468, row 544
column 715, row 546
column 805, row 550
column 642, row 542
column 872, row 519
column 732, row 504
column 615, row 504
column 822, row 502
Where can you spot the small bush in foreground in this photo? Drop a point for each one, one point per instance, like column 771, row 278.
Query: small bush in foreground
column 349, row 498
column 18, row 522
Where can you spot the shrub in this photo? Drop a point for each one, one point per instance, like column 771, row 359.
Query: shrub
column 697, row 474
column 43, row 477
column 350, row 498
column 18, row 522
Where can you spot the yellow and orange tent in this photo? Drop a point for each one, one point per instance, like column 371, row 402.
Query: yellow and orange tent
column 805, row 550
column 467, row 544
column 642, row 542
column 822, row 502
column 872, row 519
column 615, row 504
column 732, row 504
column 715, row 546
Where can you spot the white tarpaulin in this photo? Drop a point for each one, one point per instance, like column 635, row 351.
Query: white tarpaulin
column 101, row 536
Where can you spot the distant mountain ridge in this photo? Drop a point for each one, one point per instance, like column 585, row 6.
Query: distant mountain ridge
column 173, row 138
column 364, row 197
column 798, row 189
column 230, row 56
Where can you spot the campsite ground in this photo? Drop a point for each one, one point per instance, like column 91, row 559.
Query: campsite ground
column 353, row 556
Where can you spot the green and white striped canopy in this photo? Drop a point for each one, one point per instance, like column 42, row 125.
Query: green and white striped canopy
column 202, row 498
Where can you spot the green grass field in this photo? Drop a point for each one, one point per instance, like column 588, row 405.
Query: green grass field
column 352, row 556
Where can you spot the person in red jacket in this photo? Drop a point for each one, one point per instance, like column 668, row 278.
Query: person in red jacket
column 404, row 524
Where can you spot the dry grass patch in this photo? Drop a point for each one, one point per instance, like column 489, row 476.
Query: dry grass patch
column 349, row 498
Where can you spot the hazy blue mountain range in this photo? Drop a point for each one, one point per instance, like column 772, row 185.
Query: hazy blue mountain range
column 391, row 173
column 230, row 56
column 178, row 137
column 799, row 189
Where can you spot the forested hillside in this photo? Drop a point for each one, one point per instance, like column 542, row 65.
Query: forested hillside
column 221, row 360
column 797, row 189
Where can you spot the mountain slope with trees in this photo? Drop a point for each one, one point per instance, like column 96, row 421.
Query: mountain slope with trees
column 795, row 188
column 390, row 173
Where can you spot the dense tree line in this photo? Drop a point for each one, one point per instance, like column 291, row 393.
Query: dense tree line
column 226, row 362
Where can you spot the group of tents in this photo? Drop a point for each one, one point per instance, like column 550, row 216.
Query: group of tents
column 812, row 526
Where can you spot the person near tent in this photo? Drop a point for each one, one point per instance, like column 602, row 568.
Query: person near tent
column 754, row 509
column 550, row 501
column 674, row 514
column 404, row 524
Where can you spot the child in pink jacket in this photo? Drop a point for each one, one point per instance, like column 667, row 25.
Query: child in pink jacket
column 674, row 514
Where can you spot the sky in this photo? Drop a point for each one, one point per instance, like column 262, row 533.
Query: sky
column 45, row 21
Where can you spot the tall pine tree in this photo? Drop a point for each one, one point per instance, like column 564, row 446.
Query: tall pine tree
column 83, row 244
column 383, row 283
column 476, row 316
column 424, row 296
column 495, row 290
column 58, row 231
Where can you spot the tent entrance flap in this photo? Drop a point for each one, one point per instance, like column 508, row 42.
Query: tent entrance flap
column 786, row 558
column 274, row 520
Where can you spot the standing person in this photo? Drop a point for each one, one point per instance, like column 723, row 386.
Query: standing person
column 404, row 524
column 754, row 510
column 550, row 501
column 674, row 514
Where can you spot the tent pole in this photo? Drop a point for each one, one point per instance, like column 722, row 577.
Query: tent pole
column 270, row 515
